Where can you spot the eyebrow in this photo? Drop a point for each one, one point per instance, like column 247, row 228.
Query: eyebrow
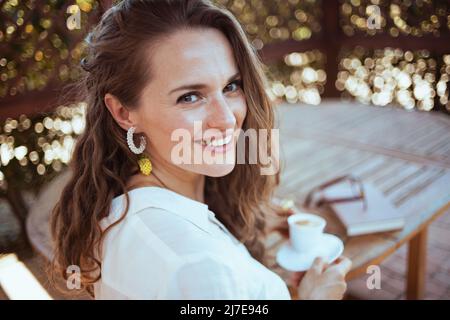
column 198, row 86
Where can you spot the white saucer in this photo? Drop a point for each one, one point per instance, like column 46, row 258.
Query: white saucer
column 330, row 248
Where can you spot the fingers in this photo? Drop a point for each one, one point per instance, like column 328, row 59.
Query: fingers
column 342, row 266
column 345, row 264
column 281, row 226
column 282, row 229
column 285, row 213
column 336, row 291
column 289, row 211
column 319, row 265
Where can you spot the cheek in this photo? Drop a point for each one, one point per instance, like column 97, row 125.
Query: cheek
column 159, row 127
column 176, row 123
column 170, row 125
column 240, row 112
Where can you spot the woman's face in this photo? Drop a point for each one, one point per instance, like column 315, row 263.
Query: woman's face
column 194, row 103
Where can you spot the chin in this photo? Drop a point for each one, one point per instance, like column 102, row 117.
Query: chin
column 218, row 170
column 212, row 170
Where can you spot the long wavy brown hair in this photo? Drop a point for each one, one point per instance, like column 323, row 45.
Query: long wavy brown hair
column 102, row 162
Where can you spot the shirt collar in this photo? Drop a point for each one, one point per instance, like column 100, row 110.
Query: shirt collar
column 143, row 197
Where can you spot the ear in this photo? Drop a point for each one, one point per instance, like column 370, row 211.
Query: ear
column 119, row 112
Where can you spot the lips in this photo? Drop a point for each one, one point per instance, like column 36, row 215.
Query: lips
column 216, row 144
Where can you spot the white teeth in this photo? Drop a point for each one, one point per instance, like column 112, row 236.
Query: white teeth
column 219, row 142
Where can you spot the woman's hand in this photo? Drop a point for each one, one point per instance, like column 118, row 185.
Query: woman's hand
column 280, row 224
column 323, row 281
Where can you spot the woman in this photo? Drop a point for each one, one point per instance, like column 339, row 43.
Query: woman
column 139, row 223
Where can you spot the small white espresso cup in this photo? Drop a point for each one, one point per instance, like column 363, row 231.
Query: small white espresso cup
column 305, row 231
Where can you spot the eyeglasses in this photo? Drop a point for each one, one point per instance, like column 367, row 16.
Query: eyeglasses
column 315, row 197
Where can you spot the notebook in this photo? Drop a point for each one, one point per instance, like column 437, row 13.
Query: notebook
column 380, row 215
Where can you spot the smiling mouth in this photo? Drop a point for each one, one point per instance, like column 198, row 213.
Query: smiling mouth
column 217, row 144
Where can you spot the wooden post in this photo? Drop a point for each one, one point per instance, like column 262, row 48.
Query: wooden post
column 417, row 265
column 331, row 36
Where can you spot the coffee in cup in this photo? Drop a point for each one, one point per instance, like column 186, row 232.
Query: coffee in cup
column 308, row 223
column 305, row 231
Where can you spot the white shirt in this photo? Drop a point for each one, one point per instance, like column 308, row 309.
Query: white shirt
column 173, row 247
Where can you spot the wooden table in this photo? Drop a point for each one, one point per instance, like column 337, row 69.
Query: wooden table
column 405, row 154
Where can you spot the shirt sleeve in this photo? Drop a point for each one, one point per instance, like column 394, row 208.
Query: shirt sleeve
column 202, row 274
column 206, row 278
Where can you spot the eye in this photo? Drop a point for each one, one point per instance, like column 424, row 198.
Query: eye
column 185, row 98
column 236, row 84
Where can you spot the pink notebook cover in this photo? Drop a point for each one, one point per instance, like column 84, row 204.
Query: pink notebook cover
column 380, row 215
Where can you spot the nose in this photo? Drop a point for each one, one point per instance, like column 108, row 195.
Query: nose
column 220, row 116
